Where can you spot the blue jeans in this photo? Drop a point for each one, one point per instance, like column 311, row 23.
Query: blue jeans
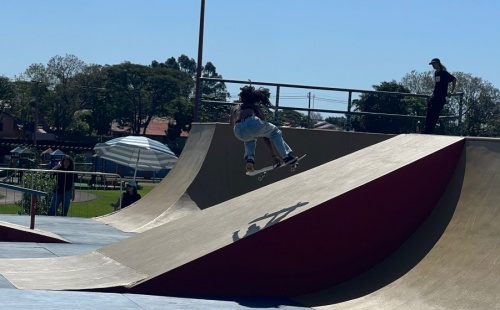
column 57, row 199
column 252, row 128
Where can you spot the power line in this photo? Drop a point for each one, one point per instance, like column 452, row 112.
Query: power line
column 330, row 100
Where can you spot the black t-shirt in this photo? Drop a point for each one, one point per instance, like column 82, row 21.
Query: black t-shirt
column 128, row 199
column 442, row 78
column 64, row 181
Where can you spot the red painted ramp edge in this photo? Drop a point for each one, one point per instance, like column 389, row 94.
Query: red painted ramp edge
column 16, row 233
column 323, row 246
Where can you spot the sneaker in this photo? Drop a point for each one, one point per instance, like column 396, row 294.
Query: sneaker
column 290, row 159
column 249, row 166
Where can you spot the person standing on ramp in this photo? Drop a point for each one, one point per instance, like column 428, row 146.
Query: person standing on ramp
column 438, row 99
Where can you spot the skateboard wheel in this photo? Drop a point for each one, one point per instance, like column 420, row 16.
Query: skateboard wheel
column 260, row 177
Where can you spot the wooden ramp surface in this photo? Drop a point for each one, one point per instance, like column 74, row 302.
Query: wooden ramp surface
column 302, row 234
column 452, row 261
column 210, row 170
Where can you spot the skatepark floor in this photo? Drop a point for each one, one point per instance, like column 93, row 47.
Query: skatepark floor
column 87, row 235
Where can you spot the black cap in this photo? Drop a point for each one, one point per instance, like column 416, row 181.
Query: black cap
column 435, row 60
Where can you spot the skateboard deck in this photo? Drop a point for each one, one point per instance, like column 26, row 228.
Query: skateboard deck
column 261, row 173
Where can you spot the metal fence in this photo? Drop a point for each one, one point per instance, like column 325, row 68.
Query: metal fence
column 349, row 94
column 31, row 190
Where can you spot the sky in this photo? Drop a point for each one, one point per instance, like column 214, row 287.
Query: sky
column 328, row 43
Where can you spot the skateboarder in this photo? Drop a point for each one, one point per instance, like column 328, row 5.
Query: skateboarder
column 436, row 103
column 249, row 124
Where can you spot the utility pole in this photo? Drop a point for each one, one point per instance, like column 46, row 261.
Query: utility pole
column 197, row 92
column 37, row 99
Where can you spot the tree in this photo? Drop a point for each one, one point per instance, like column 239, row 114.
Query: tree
column 181, row 111
column 63, row 98
column 172, row 64
column 481, row 105
column 419, row 82
column 141, row 92
column 340, row 122
column 292, row 118
column 187, row 65
column 6, row 94
column 213, row 91
column 169, row 63
column 19, row 104
column 127, row 84
column 6, row 91
column 97, row 111
column 316, row 116
column 210, row 90
column 387, row 104
column 84, row 99
column 166, row 85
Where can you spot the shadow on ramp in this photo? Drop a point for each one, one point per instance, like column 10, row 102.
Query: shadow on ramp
column 270, row 219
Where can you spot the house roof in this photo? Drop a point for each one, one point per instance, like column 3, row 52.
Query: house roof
column 16, row 150
column 57, row 152
column 157, row 127
column 8, row 113
column 325, row 125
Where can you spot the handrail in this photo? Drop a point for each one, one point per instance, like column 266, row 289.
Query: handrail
column 314, row 87
column 34, row 193
column 348, row 112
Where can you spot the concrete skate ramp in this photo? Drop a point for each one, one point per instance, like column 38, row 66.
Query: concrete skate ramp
column 210, row 170
column 171, row 193
column 452, row 261
column 305, row 233
column 16, row 233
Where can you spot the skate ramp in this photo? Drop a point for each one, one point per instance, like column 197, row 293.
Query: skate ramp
column 171, row 192
column 210, row 170
column 452, row 260
column 305, row 233
column 16, row 233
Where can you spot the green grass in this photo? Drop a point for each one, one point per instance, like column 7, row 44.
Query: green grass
column 91, row 208
column 9, row 209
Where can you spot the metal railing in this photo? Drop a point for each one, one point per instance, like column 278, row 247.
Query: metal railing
column 348, row 112
column 24, row 181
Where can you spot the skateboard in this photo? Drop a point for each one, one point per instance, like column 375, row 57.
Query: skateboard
column 261, row 173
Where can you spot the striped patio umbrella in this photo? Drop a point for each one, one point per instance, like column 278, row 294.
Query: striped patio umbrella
column 138, row 152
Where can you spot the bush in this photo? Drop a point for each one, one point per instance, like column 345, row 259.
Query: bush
column 41, row 182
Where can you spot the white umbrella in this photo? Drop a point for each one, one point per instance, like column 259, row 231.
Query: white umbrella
column 17, row 150
column 138, row 152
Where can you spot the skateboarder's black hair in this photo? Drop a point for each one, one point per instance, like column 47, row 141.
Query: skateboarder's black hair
column 249, row 95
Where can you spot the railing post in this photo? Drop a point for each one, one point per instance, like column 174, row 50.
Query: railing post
column 33, row 211
column 349, row 106
column 309, row 122
column 276, row 113
column 460, row 112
